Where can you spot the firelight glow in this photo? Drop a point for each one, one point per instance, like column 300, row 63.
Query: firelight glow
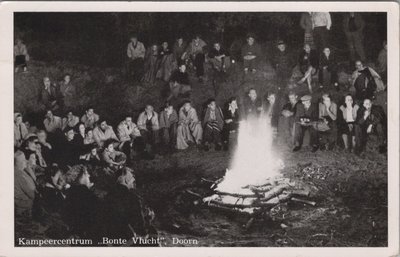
column 255, row 161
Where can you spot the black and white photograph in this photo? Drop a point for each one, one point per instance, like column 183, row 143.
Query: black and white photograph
column 203, row 128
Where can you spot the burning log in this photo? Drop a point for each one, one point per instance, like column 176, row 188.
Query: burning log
column 274, row 192
column 279, row 199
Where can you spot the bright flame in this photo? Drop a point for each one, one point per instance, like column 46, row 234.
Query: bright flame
column 255, row 161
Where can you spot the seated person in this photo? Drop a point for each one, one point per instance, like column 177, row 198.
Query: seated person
column 271, row 110
column 283, row 64
column 347, row 117
column 251, row 54
column 327, row 69
column 81, row 204
column 71, row 120
column 196, row 52
column 67, row 153
column 149, row 127
column 46, row 147
column 179, row 83
column 103, row 132
column 287, row 119
column 366, row 82
column 90, row 118
column 129, row 135
column 53, row 191
column 213, row 124
column 253, row 105
column 305, row 117
column 231, row 123
column 123, row 215
column 92, row 157
column 89, row 139
column 20, row 130
column 308, row 64
column 50, row 95
column 370, row 119
column 52, row 123
column 80, row 133
column 328, row 116
column 24, row 185
column 189, row 127
column 168, row 124
column 114, row 159
column 219, row 58
column 67, row 90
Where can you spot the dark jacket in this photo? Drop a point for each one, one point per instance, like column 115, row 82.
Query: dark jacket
column 252, row 109
column 308, row 59
column 292, row 108
column 377, row 116
column 273, row 112
column 312, row 112
column 235, row 117
column 219, row 118
column 180, row 77
column 253, row 49
column 358, row 23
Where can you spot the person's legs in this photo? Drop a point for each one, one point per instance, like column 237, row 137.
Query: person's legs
column 360, row 135
column 246, row 65
column 199, row 64
column 358, row 41
column 381, row 137
column 172, row 134
column 298, row 136
column 181, row 137
column 314, row 137
column 345, row 141
column 217, row 139
column 350, row 44
column 197, row 132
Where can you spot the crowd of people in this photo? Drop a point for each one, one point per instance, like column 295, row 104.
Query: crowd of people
column 45, row 152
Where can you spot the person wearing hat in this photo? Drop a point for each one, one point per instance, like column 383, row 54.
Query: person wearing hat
column 20, row 130
column 135, row 52
column 251, row 53
column 306, row 114
column 282, row 64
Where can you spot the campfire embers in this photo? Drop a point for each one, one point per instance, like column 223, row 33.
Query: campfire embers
column 253, row 199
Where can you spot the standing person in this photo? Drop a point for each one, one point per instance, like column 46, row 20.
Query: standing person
column 328, row 115
column 196, row 51
column 231, row 125
column 67, row 90
column 213, row 124
column 20, row 130
column 251, row 53
column 307, row 25
column 327, row 69
column 167, row 62
column 353, row 26
column 321, row 22
column 90, row 118
column 50, row 95
column 151, row 64
column 308, row 63
column 287, row 119
column 179, row 49
column 189, row 127
column 382, row 62
column 168, row 125
column 149, row 127
column 371, row 119
column 366, row 82
column 348, row 116
column 20, row 56
column 306, row 116
column 135, row 52
column 179, row 83
column 282, row 64
column 253, row 105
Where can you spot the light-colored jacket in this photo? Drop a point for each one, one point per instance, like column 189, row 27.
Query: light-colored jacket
column 20, row 133
column 125, row 132
column 141, row 122
column 378, row 81
column 70, row 123
column 321, row 19
column 353, row 112
column 110, row 157
column 135, row 52
column 101, row 136
column 53, row 124
column 90, row 121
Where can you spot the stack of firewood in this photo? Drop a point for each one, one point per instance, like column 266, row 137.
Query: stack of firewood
column 253, row 199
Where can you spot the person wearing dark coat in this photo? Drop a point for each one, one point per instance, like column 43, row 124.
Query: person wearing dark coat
column 283, row 64
column 67, row 151
column 251, row 53
column 370, row 119
column 50, row 96
column 253, row 105
column 81, row 205
column 306, row 114
column 213, row 124
column 168, row 124
column 287, row 119
column 53, row 195
column 327, row 69
column 353, row 26
column 272, row 110
column 364, row 82
column 231, row 123
column 179, row 83
column 308, row 64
